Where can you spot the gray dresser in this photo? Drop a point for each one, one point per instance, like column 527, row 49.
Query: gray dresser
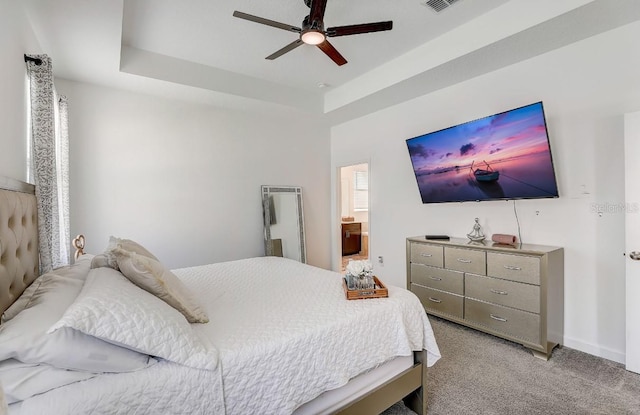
column 515, row 293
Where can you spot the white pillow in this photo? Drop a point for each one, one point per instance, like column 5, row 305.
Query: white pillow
column 25, row 337
column 152, row 276
column 111, row 308
column 21, row 381
column 78, row 271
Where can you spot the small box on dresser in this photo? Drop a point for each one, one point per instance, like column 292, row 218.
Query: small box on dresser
column 516, row 293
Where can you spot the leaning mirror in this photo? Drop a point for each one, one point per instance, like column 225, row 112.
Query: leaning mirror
column 283, row 222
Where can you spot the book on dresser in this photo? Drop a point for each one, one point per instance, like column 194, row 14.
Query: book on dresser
column 516, row 293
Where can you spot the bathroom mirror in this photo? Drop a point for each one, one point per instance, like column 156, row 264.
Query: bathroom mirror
column 283, row 222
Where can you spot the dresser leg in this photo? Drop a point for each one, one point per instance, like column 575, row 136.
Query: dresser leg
column 541, row 355
column 544, row 355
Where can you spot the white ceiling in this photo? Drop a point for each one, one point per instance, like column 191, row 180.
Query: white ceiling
column 206, row 32
column 197, row 50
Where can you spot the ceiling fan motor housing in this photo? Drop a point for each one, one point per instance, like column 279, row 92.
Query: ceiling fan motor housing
column 309, row 25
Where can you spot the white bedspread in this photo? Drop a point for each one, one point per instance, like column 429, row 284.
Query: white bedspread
column 285, row 333
column 164, row 388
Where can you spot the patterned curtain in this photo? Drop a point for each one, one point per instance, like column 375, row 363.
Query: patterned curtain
column 49, row 164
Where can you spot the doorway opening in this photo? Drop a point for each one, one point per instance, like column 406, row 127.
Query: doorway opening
column 354, row 213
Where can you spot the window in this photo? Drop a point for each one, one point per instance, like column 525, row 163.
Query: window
column 360, row 191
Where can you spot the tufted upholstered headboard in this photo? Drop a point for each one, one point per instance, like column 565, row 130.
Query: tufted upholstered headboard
column 19, row 255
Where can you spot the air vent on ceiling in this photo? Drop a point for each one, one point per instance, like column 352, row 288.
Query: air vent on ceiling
column 439, row 5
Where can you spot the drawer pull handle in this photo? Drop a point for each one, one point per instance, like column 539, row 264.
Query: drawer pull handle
column 498, row 318
column 435, row 300
column 436, row 278
column 498, row 292
column 426, row 255
column 464, row 261
column 512, row 268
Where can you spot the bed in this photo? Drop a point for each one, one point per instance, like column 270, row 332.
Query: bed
column 280, row 337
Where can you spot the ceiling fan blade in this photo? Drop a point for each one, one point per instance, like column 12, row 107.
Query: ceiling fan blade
column 332, row 52
column 291, row 46
column 267, row 22
column 317, row 10
column 359, row 28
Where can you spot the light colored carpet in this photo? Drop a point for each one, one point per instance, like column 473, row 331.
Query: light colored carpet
column 482, row 374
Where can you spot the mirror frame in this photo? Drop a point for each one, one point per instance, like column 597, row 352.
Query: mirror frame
column 267, row 192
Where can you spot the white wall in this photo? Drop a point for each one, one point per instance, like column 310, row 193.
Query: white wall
column 184, row 179
column 586, row 88
column 16, row 39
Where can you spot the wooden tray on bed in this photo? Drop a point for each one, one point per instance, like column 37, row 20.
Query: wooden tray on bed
column 380, row 291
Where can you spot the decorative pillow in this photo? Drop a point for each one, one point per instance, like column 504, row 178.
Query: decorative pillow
column 25, row 338
column 113, row 309
column 78, row 271
column 106, row 259
column 21, row 381
column 103, row 260
column 152, row 276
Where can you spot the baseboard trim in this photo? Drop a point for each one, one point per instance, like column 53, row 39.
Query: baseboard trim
column 594, row 349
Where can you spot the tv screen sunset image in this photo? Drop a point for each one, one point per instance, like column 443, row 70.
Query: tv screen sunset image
column 503, row 156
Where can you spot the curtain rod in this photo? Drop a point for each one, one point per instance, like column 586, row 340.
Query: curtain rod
column 37, row 61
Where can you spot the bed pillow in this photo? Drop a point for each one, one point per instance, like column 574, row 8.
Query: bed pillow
column 4, row 408
column 25, row 338
column 107, row 259
column 21, row 381
column 22, row 302
column 78, row 270
column 152, row 276
column 113, row 309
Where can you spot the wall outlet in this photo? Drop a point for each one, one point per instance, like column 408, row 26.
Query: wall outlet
column 381, row 260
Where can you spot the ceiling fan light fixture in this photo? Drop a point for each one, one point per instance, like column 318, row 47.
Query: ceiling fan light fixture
column 312, row 37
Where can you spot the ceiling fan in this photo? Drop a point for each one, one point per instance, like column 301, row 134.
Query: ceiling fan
column 313, row 31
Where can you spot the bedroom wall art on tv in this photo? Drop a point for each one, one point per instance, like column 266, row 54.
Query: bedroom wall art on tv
column 502, row 156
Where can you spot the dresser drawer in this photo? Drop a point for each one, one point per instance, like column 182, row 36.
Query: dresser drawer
column 439, row 301
column 514, row 267
column 515, row 323
column 438, row 278
column 508, row 293
column 465, row 260
column 426, row 254
column 352, row 227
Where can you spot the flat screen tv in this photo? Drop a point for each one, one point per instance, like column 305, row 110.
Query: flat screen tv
column 503, row 156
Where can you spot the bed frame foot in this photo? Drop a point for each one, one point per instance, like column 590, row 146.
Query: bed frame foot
column 417, row 400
